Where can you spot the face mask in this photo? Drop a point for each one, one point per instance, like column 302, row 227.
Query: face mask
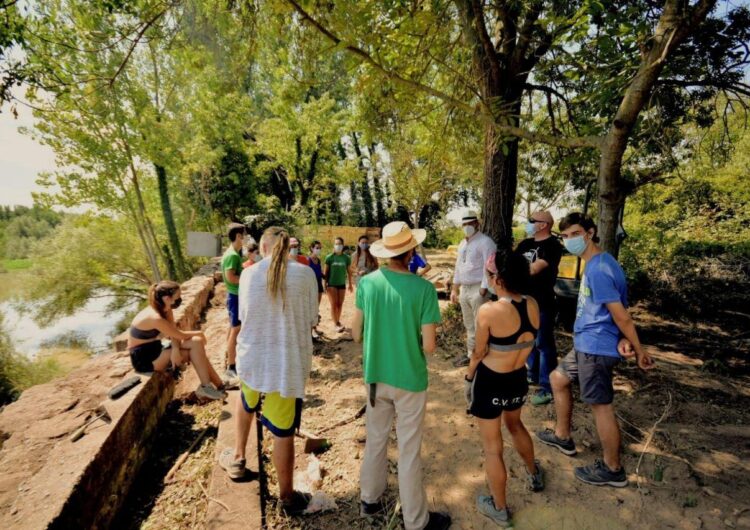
column 469, row 230
column 575, row 245
column 491, row 290
column 176, row 303
column 256, row 258
column 293, row 251
column 530, row 229
column 364, row 246
column 316, row 251
column 338, row 248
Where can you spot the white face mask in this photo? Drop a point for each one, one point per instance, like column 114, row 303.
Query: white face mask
column 469, row 230
column 316, row 251
column 293, row 251
column 338, row 248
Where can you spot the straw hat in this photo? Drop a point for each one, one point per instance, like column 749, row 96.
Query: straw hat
column 469, row 216
column 397, row 239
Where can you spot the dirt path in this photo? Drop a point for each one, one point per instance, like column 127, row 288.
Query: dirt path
column 694, row 474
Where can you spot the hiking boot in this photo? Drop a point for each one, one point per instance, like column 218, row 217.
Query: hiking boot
column 566, row 447
column 235, row 468
column 230, row 379
column 599, row 474
column 460, row 361
column 438, row 521
column 372, row 509
column 541, row 397
column 297, row 504
column 536, row 480
column 486, row 507
column 207, row 392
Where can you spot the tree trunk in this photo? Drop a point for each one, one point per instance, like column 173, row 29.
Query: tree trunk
column 378, row 189
column 369, row 218
column 175, row 258
column 500, row 180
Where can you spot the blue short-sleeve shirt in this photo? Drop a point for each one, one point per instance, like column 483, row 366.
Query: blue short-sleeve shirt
column 603, row 282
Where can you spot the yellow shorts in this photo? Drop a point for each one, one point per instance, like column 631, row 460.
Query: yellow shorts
column 281, row 415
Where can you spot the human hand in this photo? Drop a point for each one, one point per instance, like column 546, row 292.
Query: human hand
column 454, row 296
column 625, row 348
column 467, row 392
column 645, row 362
column 483, row 292
column 351, row 288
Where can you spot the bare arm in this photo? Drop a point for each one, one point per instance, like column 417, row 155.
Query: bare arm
column 173, row 332
column 358, row 324
column 427, row 268
column 480, row 346
column 538, row 266
column 232, row 276
column 625, row 323
column 429, row 338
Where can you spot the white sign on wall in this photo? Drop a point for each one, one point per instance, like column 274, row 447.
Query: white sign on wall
column 203, row 244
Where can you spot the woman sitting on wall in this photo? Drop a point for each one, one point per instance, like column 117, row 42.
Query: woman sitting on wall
column 157, row 320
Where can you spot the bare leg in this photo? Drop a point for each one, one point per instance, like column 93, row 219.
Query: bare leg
column 494, row 465
column 563, row 403
column 609, row 434
column 232, row 344
column 342, row 296
column 332, row 300
column 283, row 461
column 202, row 366
column 243, row 421
column 521, row 439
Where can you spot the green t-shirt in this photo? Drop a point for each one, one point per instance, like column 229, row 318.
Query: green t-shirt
column 231, row 261
column 396, row 306
column 338, row 265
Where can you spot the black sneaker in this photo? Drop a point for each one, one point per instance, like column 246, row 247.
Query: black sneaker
column 599, row 474
column 372, row 509
column 566, row 447
column 536, row 481
column 297, row 504
column 438, row 521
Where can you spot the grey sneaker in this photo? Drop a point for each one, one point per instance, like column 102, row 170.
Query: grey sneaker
column 599, row 474
column 536, row 480
column 541, row 397
column 235, row 468
column 208, row 392
column 230, row 379
column 486, row 507
column 566, row 447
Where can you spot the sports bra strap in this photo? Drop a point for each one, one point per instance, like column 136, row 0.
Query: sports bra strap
column 512, row 347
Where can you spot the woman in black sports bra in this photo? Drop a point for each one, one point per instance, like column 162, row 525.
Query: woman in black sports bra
column 496, row 385
column 157, row 320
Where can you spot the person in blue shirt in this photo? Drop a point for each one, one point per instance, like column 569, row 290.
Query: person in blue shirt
column 418, row 264
column 603, row 332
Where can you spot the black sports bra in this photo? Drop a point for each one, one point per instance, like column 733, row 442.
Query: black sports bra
column 510, row 343
column 143, row 334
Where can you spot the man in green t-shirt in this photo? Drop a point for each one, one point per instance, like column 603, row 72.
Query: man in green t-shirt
column 396, row 319
column 231, row 267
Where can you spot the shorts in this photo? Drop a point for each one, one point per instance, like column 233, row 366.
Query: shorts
column 493, row 392
column 143, row 356
column 281, row 415
column 233, row 302
column 320, row 286
column 339, row 287
column 593, row 373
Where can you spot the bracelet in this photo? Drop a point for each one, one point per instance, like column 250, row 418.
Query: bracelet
column 466, row 378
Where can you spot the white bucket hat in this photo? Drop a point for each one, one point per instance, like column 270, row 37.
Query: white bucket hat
column 397, row 239
column 469, row 216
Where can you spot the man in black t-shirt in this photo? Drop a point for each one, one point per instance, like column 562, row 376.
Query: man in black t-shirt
column 543, row 251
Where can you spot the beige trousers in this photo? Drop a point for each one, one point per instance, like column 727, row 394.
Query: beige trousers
column 409, row 408
column 470, row 300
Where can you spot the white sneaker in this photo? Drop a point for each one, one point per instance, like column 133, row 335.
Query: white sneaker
column 230, row 379
column 209, row 393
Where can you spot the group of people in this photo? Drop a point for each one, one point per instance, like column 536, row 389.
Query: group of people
column 508, row 313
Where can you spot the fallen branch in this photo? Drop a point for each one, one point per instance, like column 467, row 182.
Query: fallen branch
column 170, row 474
column 357, row 415
column 217, row 501
column 652, row 431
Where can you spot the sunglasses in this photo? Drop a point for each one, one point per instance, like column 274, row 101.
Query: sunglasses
column 536, row 221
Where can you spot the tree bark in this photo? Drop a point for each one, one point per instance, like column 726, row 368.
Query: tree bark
column 369, row 218
column 175, row 257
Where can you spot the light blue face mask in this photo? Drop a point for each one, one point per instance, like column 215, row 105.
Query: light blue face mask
column 575, row 245
column 530, row 229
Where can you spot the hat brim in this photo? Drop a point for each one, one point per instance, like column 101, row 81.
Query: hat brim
column 378, row 249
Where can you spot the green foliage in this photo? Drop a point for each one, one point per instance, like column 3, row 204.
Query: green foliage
column 20, row 228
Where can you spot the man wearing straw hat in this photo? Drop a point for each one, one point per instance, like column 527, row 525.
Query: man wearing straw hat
column 469, row 279
column 396, row 318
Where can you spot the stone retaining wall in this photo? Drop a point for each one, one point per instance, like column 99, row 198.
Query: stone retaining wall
column 47, row 481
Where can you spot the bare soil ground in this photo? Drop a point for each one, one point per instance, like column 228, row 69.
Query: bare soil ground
column 686, row 441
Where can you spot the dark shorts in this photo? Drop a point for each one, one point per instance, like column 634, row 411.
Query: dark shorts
column 320, row 286
column 493, row 392
column 142, row 357
column 339, row 287
column 233, row 309
column 593, row 374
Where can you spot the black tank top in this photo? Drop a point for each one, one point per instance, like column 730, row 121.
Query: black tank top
column 525, row 326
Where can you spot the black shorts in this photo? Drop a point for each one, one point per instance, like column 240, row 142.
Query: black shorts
column 593, row 373
column 142, row 357
column 493, row 392
column 339, row 287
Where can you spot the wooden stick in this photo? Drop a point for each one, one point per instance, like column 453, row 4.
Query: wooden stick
column 217, row 501
column 170, row 474
column 652, row 431
column 358, row 414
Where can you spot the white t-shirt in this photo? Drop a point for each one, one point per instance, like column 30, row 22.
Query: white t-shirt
column 274, row 346
column 472, row 255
